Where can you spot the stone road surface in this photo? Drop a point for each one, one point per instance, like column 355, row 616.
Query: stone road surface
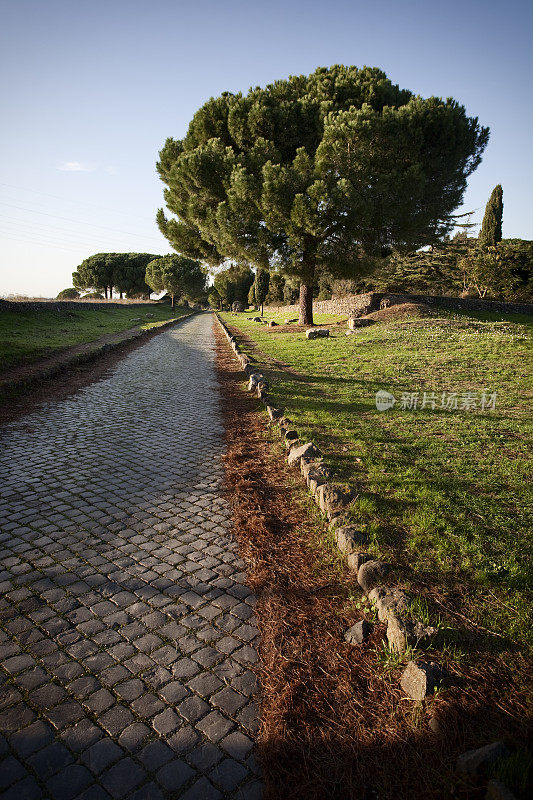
column 127, row 630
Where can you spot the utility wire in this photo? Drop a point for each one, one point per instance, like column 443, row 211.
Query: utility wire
column 61, row 234
column 77, row 202
column 38, row 242
column 19, row 226
column 78, row 221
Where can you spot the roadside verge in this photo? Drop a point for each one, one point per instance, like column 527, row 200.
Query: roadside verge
column 441, row 724
column 30, row 374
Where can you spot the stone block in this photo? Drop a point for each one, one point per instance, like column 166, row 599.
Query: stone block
column 420, row 679
column 358, row 632
column 290, row 437
column 338, row 521
column 307, row 464
column 389, row 602
column 317, row 333
column 403, row 633
column 254, row 380
column 356, row 560
column 371, row 574
column 350, row 538
column 357, row 322
column 307, row 450
column 333, row 499
column 474, row 763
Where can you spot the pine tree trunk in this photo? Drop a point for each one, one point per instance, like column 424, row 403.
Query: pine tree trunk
column 306, row 304
column 172, row 301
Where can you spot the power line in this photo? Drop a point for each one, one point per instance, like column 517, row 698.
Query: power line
column 42, row 239
column 38, row 242
column 51, row 231
column 77, row 202
column 58, row 234
column 77, row 221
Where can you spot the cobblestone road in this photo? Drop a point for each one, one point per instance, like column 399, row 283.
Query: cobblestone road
column 127, row 630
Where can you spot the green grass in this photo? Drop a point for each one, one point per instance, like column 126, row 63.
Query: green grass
column 27, row 336
column 446, row 494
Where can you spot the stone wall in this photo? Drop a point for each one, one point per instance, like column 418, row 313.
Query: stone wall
column 356, row 305
column 63, row 306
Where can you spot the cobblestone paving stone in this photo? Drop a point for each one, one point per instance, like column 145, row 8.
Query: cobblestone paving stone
column 127, row 629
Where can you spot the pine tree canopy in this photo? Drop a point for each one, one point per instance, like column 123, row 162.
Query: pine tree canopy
column 317, row 172
column 233, row 283
column 491, row 228
column 68, row 294
column 124, row 272
column 176, row 275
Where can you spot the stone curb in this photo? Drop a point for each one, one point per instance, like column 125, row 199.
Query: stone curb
column 391, row 603
column 331, row 499
column 84, row 358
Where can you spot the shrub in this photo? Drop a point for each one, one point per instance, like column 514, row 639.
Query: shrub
column 68, row 294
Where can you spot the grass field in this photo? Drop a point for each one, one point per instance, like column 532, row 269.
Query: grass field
column 27, row 336
column 446, row 493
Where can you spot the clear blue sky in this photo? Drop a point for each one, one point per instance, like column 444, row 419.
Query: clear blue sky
column 91, row 90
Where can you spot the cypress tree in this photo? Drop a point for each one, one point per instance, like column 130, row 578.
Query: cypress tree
column 251, row 295
column 491, row 229
column 261, row 286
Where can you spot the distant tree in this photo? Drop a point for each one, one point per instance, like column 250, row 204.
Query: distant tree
column 233, row 283
column 124, row 272
column 68, row 294
column 93, row 296
column 262, row 279
column 457, row 267
column 322, row 172
column 275, row 288
column 177, row 275
column 491, row 228
column 518, row 256
column 503, row 271
column 484, row 272
column 435, row 270
column 213, row 298
column 129, row 273
column 291, row 291
column 251, row 296
column 95, row 274
column 324, row 286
